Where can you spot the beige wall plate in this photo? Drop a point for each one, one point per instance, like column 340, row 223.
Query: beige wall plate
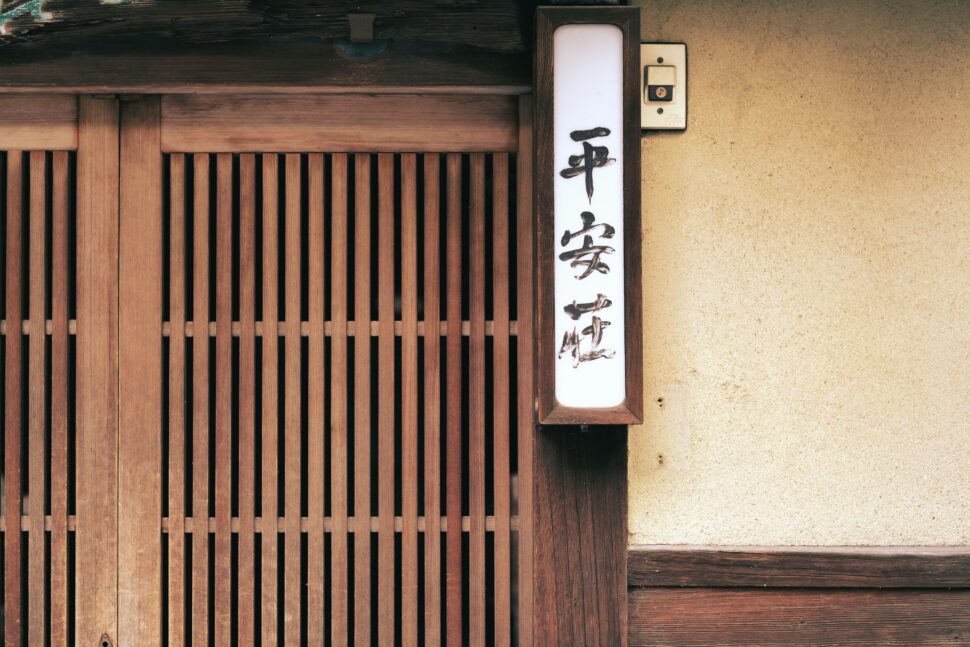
column 663, row 86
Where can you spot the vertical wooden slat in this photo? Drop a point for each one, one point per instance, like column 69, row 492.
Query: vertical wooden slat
column 432, row 402
column 200, row 403
column 500, row 394
column 12, row 399
column 338, row 404
column 454, row 422
column 476, row 404
column 223, row 399
column 247, row 397
column 525, row 359
column 292, row 474
column 385, row 401
column 177, row 403
column 270, row 400
column 409, row 399
column 60, row 282
column 362, row 422
column 36, row 396
column 316, row 394
column 97, row 365
column 140, row 371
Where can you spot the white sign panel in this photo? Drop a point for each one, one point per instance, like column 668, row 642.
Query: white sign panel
column 588, row 206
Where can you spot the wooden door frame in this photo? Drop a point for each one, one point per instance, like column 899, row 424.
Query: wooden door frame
column 97, row 344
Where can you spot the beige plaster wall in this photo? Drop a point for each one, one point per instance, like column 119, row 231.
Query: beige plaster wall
column 807, row 279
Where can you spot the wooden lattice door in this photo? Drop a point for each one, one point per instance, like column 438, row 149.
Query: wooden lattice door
column 267, row 370
column 325, row 370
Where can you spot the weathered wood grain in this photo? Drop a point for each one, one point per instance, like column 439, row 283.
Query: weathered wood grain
column 476, row 401
column 432, row 401
column 409, row 401
column 178, row 451
column 362, row 400
column 248, row 608
column 61, row 284
column 293, row 459
column 347, row 123
column 270, row 402
column 38, row 122
column 340, row 377
column 386, row 385
column 316, row 397
column 36, row 398
column 703, row 616
column 454, row 427
column 14, row 269
column 502, row 400
column 525, row 370
column 97, row 363
column 224, row 413
column 140, row 376
column 200, row 399
column 157, row 66
column 832, row 567
column 489, row 24
column 580, row 536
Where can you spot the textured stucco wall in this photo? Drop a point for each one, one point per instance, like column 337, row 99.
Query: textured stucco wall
column 807, row 279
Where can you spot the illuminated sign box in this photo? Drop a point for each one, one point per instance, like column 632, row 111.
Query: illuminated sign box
column 588, row 216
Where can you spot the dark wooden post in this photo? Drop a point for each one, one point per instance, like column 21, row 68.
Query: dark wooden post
column 580, row 544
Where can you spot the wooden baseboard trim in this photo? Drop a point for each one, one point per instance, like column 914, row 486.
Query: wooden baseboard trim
column 791, row 617
column 802, row 567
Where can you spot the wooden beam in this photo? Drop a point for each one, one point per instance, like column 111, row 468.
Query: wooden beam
column 46, row 122
column 843, row 566
column 338, row 123
column 489, row 24
column 292, row 67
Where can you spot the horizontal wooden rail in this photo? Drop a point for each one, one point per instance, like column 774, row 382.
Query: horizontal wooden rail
column 48, row 327
column 338, row 123
column 351, row 328
column 814, row 567
column 281, row 328
column 788, row 596
column 791, row 617
column 38, row 122
column 25, row 523
column 260, row 526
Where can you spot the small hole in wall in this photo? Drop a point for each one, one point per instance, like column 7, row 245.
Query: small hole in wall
column 660, row 459
column 660, row 402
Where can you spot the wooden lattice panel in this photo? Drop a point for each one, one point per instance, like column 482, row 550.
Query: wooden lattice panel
column 340, row 433
column 37, row 321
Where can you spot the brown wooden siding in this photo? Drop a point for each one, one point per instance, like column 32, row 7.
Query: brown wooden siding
column 799, row 596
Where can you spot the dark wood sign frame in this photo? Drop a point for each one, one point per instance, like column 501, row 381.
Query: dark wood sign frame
column 550, row 411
